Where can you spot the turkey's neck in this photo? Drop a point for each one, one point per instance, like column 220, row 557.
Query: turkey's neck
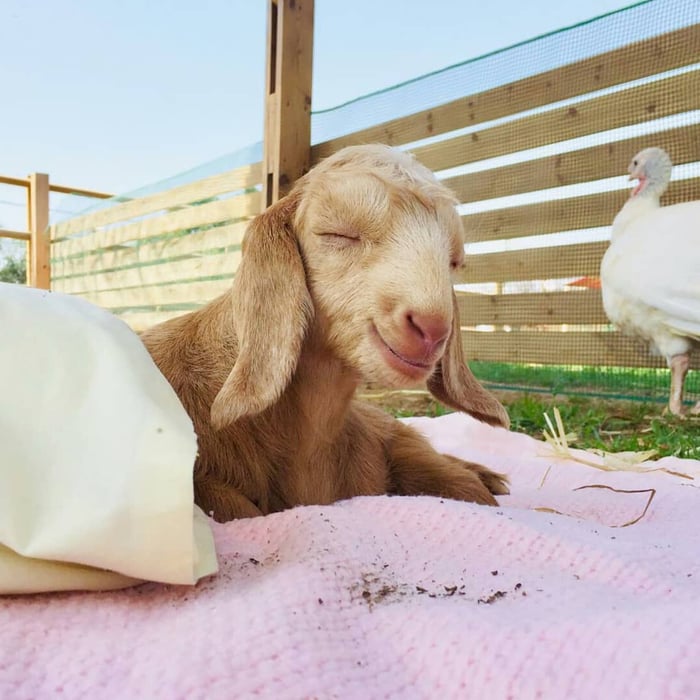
column 645, row 197
column 649, row 188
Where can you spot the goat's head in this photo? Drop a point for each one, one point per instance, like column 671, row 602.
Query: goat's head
column 361, row 254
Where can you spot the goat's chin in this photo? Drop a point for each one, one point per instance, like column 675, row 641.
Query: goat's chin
column 379, row 373
column 406, row 373
column 398, row 369
column 378, row 366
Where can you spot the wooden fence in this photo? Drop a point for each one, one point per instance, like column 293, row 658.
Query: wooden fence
column 158, row 256
column 38, row 191
column 154, row 257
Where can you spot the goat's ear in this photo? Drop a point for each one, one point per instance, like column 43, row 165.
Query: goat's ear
column 271, row 314
column 453, row 383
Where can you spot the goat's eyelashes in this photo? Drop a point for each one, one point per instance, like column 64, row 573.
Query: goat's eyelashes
column 340, row 239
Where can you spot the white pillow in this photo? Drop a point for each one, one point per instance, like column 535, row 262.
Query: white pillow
column 96, row 453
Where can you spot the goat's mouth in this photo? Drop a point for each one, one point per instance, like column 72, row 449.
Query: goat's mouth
column 415, row 369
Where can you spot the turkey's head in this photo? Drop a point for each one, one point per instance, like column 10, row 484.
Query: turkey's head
column 652, row 168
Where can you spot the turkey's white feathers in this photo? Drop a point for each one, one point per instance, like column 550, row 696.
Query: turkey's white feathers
column 650, row 274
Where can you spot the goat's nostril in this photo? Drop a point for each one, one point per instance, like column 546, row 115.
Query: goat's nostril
column 432, row 328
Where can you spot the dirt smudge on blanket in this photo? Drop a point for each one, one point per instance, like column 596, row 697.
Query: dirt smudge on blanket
column 489, row 599
column 375, row 588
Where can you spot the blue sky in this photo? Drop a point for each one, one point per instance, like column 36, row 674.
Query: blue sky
column 115, row 95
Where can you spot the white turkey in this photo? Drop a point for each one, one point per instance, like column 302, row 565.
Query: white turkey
column 650, row 274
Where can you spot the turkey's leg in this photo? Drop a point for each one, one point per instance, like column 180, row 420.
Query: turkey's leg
column 679, row 368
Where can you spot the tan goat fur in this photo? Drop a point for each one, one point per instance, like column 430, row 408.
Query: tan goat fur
column 346, row 280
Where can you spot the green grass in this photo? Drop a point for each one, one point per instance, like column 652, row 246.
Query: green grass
column 614, row 426
column 629, row 383
column 611, row 426
column 616, row 409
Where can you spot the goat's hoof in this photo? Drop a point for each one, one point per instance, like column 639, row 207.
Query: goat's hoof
column 496, row 483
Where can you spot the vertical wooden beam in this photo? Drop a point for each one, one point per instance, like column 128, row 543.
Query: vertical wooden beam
column 28, row 247
column 40, row 243
column 287, row 142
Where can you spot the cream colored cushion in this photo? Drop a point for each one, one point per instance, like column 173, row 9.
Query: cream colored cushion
column 96, row 454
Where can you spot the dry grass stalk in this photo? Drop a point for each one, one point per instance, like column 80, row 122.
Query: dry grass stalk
column 651, row 492
column 558, row 440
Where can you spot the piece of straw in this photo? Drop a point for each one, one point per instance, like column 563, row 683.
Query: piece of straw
column 558, row 440
column 651, row 492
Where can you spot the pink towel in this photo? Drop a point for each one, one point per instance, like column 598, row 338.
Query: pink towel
column 404, row 598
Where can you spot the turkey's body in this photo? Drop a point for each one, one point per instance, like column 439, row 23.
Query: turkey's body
column 650, row 276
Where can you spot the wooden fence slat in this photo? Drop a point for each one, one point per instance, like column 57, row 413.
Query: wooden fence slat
column 181, row 270
column 191, row 245
column 552, row 216
column 674, row 95
column 231, row 181
column 637, row 60
column 176, row 293
column 597, row 348
column 241, row 207
column 16, row 235
column 534, row 264
column 80, row 192
column 573, row 307
column 14, row 181
column 557, row 215
column 140, row 321
column 571, row 168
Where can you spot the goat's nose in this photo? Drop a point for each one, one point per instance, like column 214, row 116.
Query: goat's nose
column 433, row 329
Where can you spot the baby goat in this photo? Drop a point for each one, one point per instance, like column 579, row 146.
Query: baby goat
column 345, row 280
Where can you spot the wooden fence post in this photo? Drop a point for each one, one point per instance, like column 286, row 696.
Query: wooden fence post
column 39, row 270
column 287, row 141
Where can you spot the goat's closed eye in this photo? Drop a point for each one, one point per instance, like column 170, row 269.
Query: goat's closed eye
column 340, row 239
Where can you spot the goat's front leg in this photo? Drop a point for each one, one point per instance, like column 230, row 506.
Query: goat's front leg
column 222, row 501
column 415, row 468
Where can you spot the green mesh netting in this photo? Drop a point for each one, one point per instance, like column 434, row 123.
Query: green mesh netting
column 637, row 23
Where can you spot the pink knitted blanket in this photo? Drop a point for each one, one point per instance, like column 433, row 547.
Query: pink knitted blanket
column 404, row 598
